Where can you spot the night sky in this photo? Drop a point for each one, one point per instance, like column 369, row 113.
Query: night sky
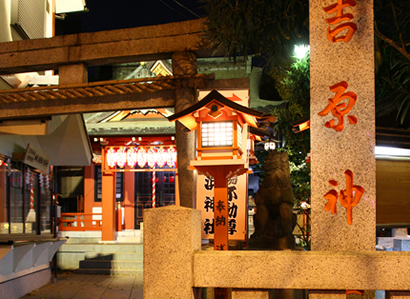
column 110, row 14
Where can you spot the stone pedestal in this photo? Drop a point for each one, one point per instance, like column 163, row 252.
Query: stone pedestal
column 184, row 63
column 172, row 235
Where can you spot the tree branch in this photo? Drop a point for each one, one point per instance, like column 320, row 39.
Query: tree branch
column 391, row 43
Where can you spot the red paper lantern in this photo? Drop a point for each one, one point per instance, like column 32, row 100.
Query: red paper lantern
column 152, row 157
column 132, row 157
column 172, row 157
column 121, row 157
column 111, row 158
column 161, row 157
column 142, row 157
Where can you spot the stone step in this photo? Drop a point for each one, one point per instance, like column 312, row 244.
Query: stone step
column 109, row 271
column 111, row 264
column 103, row 248
column 117, row 256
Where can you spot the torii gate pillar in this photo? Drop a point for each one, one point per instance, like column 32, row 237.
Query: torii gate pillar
column 184, row 63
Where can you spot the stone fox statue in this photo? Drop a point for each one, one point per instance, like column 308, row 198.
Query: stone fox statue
column 274, row 220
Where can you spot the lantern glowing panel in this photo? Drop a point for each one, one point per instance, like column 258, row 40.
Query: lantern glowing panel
column 142, row 157
column 152, row 157
column 121, row 157
column 161, row 157
column 171, row 157
column 111, row 158
column 131, row 157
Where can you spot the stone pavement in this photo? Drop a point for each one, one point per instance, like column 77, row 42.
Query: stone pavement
column 82, row 286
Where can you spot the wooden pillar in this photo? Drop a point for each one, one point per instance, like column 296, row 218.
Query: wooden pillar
column 89, row 191
column 221, row 207
column 343, row 168
column 129, row 200
column 184, row 63
column 108, row 206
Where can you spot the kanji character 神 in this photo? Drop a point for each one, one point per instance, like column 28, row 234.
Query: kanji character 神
column 348, row 198
column 340, row 17
column 209, row 203
column 340, row 109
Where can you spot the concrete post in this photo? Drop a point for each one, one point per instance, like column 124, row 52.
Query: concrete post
column 171, row 237
column 184, row 63
column 72, row 74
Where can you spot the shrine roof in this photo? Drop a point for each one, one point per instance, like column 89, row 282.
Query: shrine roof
column 189, row 118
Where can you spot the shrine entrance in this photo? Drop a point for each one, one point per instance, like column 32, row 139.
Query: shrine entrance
column 153, row 189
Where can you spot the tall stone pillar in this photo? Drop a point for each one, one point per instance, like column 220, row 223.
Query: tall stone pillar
column 184, row 63
column 343, row 171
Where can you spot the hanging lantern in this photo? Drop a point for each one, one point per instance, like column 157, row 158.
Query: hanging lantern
column 161, row 157
column 171, row 157
column 121, row 157
column 132, row 157
column 142, row 157
column 111, row 158
column 40, row 177
column 47, row 179
column 27, row 178
column 152, row 157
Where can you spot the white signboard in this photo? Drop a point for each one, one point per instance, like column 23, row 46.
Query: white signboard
column 36, row 158
column 237, row 196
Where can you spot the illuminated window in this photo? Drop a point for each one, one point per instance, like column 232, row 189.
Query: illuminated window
column 217, row 134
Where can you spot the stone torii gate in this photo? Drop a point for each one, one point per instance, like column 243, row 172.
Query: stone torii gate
column 72, row 54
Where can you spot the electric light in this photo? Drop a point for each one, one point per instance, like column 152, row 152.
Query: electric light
column 270, row 146
column 300, row 51
column 391, row 151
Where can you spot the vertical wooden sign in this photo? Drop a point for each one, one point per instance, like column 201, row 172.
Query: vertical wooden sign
column 342, row 125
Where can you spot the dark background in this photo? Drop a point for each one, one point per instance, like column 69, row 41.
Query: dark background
column 110, row 14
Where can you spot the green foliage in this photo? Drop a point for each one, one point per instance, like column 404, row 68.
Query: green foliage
column 296, row 90
column 269, row 29
column 392, row 28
